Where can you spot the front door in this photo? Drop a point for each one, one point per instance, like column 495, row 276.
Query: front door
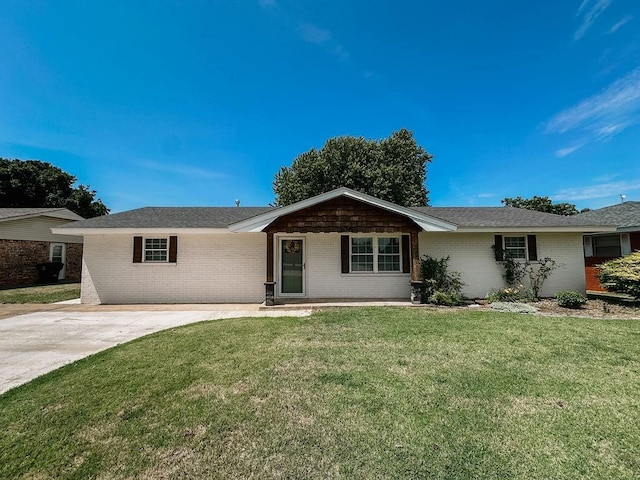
column 57, row 254
column 292, row 267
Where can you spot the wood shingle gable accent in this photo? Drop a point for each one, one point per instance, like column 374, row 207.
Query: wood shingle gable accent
column 343, row 215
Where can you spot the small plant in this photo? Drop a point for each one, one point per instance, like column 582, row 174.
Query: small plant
column 439, row 285
column 510, row 294
column 513, row 307
column 570, row 299
column 622, row 275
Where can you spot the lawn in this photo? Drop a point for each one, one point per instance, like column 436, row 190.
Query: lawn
column 353, row 393
column 41, row 293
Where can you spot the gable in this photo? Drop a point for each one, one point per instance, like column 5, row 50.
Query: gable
column 342, row 215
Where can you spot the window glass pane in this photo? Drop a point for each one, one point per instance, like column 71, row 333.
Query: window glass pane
column 155, row 250
column 389, row 245
column 515, row 247
column 389, row 263
column 514, row 242
column 607, row 246
column 361, row 245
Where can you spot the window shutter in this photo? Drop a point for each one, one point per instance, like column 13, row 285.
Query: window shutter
column 532, row 248
column 344, row 253
column 173, row 249
column 406, row 254
column 588, row 246
column 137, row 249
column 497, row 248
column 625, row 244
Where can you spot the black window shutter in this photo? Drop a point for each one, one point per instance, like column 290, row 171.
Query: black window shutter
column 406, row 254
column 497, row 247
column 173, row 249
column 137, row 249
column 344, row 253
column 532, row 247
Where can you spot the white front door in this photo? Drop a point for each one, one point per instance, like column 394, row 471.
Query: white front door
column 292, row 265
column 57, row 254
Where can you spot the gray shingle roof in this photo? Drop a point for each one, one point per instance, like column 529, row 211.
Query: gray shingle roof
column 222, row 217
column 171, row 217
column 11, row 212
column 503, row 217
column 623, row 215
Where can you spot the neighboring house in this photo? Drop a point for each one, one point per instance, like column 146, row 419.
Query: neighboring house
column 338, row 245
column 26, row 240
column 600, row 247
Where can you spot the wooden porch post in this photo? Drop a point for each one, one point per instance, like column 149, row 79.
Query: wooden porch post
column 269, row 285
column 416, row 282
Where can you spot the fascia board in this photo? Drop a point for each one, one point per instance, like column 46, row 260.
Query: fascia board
column 572, row 229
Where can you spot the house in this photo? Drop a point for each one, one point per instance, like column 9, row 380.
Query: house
column 341, row 244
column 26, row 240
column 602, row 246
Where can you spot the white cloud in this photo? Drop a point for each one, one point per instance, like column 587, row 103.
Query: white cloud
column 600, row 190
column 313, row 34
column 563, row 152
column 591, row 9
column 604, row 114
column 619, row 24
column 181, row 169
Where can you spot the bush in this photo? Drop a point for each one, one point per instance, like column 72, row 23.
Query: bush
column 510, row 294
column 513, row 307
column 570, row 299
column 439, row 285
column 622, row 275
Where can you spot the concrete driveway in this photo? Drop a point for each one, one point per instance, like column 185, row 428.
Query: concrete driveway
column 36, row 343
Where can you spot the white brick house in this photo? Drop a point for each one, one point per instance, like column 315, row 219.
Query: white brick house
column 338, row 245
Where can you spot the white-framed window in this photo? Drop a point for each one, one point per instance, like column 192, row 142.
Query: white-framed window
column 375, row 254
column 156, row 250
column 515, row 247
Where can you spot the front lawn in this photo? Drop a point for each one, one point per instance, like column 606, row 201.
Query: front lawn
column 41, row 293
column 353, row 393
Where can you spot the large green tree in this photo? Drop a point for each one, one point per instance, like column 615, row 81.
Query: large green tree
column 393, row 169
column 541, row 204
column 32, row 183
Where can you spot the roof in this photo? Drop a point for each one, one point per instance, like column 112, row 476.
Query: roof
column 503, row 217
column 171, row 217
column 12, row 213
column 624, row 215
column 255, row 219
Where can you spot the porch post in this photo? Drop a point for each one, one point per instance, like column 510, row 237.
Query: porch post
column 416, row 282
column 269, row 285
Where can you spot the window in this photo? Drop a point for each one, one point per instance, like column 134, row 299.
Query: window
column 375, row 254
column 607, row 246
column 515, row 247
column 155, row 250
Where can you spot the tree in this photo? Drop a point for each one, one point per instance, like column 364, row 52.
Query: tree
column 541, row 204
column 33, row 183
column 392, row 169
column 622, row 274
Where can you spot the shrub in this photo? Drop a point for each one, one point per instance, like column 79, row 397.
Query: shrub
column 570, row 299
column 439, row 285
column 510, row 294
column 513, row 307
column 515, row 270
column 622, row 275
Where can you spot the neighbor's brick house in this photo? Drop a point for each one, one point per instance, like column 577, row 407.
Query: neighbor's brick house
column 26, row 240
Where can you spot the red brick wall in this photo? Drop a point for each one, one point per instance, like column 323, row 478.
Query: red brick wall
column 18, row 259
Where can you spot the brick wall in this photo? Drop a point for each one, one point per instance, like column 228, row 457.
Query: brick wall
column 18, row 260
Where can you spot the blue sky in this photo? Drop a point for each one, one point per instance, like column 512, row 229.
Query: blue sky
column 201, row 102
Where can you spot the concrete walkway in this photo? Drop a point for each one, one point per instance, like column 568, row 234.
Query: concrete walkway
column 36, row 339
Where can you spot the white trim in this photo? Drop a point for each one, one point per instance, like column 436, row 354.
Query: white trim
column 279, row 283
column 62, row 213
column 625, row 244
column 534, row 230
column 260, row 222
column 375, row 254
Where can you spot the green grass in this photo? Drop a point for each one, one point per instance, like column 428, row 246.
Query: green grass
column 354, row 393
column 41, row 293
